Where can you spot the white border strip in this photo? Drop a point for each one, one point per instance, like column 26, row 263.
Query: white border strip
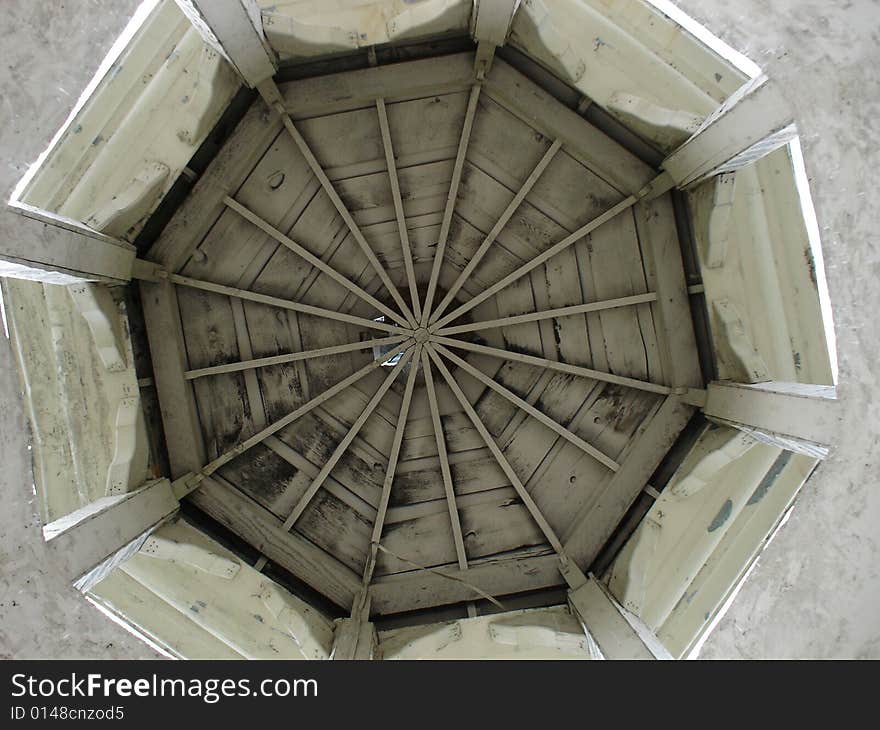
column 802, row 185
column 703, row 34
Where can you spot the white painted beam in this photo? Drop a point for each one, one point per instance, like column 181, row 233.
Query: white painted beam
column 795, row 416
column 235, row 29
column 752, row 123
column 619, row 634
column 92, row 535
column 491, row 24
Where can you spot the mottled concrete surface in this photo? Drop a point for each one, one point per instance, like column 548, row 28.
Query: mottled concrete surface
column 815, row 591
column 50, row 51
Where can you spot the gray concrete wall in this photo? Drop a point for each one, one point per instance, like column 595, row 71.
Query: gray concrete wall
column 816, row 590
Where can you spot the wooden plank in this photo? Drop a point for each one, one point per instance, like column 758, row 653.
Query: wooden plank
column 531, row 410
column 409, row 592
column 226, row 173
column 263, row 531
column 617, row 632
column 180, row 421
column 561, row 367
column 661, row 254
column 334, row 93
column 391, row 164
column 795, row 416
column 550, row 314
column 235, row 29
column 448, row 487
column 312, row 259
column 497, row 228
column 440, row 250
column 537, row 108
column 751, row 123
column 597, row 520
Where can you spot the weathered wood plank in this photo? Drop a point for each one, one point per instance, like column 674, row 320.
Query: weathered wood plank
column 396, row 594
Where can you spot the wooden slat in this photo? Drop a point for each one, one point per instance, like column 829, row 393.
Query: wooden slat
column 230, row 291
column 526, row 498
column 346, row 440
column 358, row 89
column 536, row 107
column 552, row 365
column 180, row 420
column 299, row 412
column 413, row 591
column 594, row 525
column 661, row 254
column 226, row 173
column 448, row 488
column 530, row 409
column 440, row 250
column 261, row 529
column 390, row 470
column 271, row 94
column 496, row 229
column 550, row 314
column 406, row 250
column 313, row 260
column 261, row 362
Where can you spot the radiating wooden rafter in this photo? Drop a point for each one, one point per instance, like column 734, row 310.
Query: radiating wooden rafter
column 543, row 362
column 570, row 239
column 502, row 221
column 440, row 249
column 308, row 256
column 390, row 471
column 548, row 314
column 231, row 291
column 553, row 425
column 388, row 146
column 262, row 362
column 346, row 216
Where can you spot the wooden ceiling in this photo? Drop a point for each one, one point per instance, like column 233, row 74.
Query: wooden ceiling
column 407, row 209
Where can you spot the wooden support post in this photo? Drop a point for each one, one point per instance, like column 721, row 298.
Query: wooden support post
column 794, row 416
column 619, row 634
column 234, row 28
column 491, row 23
column 752, row 123
column 102, row 531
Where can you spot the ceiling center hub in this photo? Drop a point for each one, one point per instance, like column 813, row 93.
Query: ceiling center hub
column 421, row 335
